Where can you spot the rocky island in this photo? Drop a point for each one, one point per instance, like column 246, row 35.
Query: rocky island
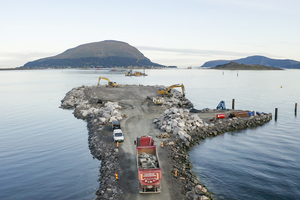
column 238, row 66
column 171, row 124
column 257, row 60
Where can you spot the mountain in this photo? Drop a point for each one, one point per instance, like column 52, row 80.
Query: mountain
column 108, row 53
column 257, row 60
column 238, row 66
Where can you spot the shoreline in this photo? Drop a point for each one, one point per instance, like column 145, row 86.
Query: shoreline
column 182, row 129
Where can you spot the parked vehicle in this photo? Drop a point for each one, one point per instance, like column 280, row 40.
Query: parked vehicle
column 148, row 166
column 116, row 125
column 118, row 135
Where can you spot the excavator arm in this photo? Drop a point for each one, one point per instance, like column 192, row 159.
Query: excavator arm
column 177, row 85
column 167, row 91
column 113, row 84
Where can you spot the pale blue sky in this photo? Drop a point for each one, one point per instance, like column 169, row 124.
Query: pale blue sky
column 178, row 32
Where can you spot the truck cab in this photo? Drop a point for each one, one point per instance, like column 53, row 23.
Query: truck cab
column 116, row 125
column 118, row 135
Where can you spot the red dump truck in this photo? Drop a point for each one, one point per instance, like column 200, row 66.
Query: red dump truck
column 149, row 171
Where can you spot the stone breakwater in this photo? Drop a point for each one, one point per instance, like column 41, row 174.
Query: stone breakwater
column 181, row 122
column 97, row 114
column 183, row 129
column 189, row 129
column 102, row 148
column 178, row 121
column 86, row 106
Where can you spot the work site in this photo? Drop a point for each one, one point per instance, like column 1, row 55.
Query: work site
column 158, row 125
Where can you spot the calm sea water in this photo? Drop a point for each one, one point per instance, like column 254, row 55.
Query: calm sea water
column 44, row 150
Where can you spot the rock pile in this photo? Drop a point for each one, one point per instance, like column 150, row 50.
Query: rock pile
column 147, row 161
column 197, row 193
column 174, row 99
column 192, row 188
column 97, row 113
column 86, row 107
column 73, row 98
column 163, row 135
column 102, row 147
column 108, row 113
column 186, row 125
column 179, row 121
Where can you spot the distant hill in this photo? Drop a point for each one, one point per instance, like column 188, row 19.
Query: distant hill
column 258, row 60
column 108, row 53
column 238, row 66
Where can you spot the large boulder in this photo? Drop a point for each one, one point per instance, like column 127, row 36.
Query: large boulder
column 169, row 129
column 106, row 115
column 113, row 118
column 178, row 121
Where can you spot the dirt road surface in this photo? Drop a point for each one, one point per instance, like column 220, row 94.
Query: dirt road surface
column 138, row 123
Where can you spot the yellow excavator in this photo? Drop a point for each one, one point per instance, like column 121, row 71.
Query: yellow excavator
column 112, row 84
column 167, row 91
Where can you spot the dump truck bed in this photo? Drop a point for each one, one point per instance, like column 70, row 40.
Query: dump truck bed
column 149, row 171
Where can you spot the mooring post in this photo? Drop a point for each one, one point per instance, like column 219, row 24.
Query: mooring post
column 295, row 109
column 233, row 101
column 276, row 111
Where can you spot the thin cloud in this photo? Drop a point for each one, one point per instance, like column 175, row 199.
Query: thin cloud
column 11, row 55
column 199, row 52
column 266, row 5
column 11, row 60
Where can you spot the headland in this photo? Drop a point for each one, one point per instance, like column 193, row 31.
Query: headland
column 172, row 125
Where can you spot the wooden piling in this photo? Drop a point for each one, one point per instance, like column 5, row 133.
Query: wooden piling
column 295, row 109
column 276, row 112
column 233, row 101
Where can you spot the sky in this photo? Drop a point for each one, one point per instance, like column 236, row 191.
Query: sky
column 184, row 33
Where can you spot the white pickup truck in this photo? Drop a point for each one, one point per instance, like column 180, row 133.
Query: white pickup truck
column 118, row 135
